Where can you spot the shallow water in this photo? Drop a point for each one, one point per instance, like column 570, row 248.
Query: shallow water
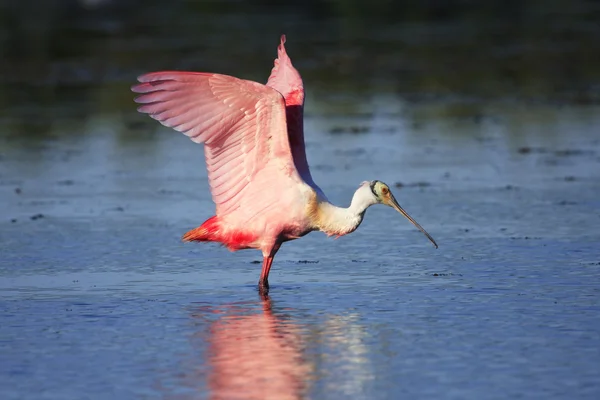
column 100, row 299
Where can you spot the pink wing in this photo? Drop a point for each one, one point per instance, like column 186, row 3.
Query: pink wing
column 241, row 123
column 287, row 81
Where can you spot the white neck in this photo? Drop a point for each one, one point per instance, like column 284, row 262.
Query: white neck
column 340, row 221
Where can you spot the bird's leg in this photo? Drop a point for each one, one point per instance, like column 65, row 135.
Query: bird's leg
column 263, row 282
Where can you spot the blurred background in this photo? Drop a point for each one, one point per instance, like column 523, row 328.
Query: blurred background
column 71, row 59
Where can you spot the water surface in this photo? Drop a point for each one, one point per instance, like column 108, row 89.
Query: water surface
column 487, row 134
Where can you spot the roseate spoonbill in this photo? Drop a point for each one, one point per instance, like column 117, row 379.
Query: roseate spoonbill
column 254, row 151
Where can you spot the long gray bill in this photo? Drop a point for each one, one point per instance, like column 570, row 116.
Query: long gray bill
column 397, row 207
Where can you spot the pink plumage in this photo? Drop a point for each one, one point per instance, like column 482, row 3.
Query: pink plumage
column 255, row 156
column 244, row 128
column 213, row 231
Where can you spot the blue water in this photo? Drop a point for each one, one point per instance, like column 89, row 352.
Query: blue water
column 100, row 299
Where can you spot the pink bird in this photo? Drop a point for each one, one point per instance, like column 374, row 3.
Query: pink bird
column 254, row 149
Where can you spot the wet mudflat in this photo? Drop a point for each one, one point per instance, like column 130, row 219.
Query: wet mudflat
column 100, row 299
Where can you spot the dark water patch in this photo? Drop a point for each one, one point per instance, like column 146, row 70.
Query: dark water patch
column 325, row 167
column 567, row 203
column 351, row 152
column 412, row 184
column 530, row 150
column 557, row 153
column 169, row 192
column 349, row 130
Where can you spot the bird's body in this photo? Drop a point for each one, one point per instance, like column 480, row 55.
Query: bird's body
column 255, row 157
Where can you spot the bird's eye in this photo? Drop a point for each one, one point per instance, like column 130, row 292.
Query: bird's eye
column 384, row 190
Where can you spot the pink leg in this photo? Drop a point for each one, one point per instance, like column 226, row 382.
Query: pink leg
column 263, row 282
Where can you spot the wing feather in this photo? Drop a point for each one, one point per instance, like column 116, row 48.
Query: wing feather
column 287, row 80
column 241, row 123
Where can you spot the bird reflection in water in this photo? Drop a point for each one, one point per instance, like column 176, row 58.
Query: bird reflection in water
column 256, row 355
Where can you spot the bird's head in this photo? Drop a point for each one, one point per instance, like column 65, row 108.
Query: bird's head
column 377, row 192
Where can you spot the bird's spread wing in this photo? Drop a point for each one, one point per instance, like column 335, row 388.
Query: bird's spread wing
column 241, row 123
column 287, row 81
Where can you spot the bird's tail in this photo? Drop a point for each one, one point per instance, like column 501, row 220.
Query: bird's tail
column 207, row 232
column 212, row 230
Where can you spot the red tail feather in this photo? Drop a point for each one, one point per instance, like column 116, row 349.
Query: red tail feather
column 211, row 231
column 207, row 232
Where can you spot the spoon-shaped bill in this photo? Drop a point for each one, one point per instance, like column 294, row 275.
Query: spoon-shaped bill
column 394, row 204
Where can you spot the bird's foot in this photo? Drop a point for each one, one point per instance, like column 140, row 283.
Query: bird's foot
column 263, row 287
